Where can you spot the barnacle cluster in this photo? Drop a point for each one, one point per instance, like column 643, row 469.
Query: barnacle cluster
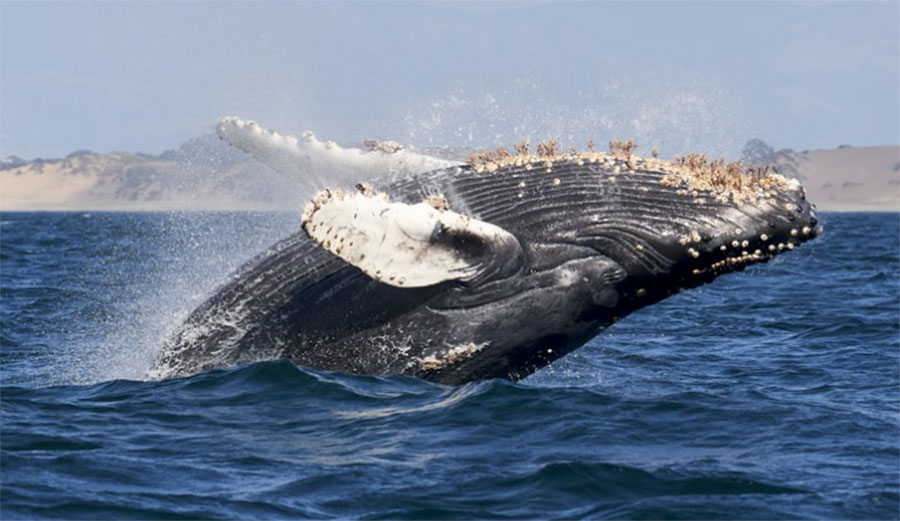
column 451, row 356
column 388, row 147
column 688, row 175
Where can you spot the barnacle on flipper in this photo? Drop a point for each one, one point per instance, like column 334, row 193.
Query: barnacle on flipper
column 388, row 147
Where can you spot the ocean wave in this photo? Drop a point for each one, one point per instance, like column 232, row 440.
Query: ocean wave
column 771, row 395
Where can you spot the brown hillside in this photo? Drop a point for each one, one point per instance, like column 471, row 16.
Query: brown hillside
column 849, row 178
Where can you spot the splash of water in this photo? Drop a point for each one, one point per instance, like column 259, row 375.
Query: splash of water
column 678, row 113
column 675, row 115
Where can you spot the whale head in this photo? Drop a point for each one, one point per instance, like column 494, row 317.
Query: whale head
column 670, row 229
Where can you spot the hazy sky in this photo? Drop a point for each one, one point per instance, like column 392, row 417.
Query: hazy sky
column 145, row 76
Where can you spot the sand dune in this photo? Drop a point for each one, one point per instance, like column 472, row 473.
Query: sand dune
column 132, row 182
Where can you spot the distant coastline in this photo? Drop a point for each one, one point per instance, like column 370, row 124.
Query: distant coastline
column 206, row 175
column 849, row 179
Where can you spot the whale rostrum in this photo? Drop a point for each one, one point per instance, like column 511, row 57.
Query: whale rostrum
column 494, row 267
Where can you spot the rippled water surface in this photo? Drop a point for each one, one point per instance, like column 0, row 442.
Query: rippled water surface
column 774, row 393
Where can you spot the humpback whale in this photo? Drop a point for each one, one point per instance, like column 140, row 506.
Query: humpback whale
column 489, row 268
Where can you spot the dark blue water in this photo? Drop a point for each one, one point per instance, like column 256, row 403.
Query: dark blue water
column 774, row 393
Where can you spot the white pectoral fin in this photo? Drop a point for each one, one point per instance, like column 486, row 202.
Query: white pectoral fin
column 283, row 154
column 409, row 245
column 300, row 157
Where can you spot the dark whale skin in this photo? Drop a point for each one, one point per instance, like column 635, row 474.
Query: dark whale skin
column 597, row 244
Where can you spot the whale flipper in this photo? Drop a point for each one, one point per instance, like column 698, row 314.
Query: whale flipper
column 410, row 245
column 299, row 158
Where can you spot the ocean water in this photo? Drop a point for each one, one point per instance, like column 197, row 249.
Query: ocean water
column 773, row 393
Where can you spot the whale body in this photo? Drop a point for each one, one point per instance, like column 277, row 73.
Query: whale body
column 488, row 269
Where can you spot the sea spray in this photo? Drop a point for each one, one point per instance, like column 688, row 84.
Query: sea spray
column 678, row 112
